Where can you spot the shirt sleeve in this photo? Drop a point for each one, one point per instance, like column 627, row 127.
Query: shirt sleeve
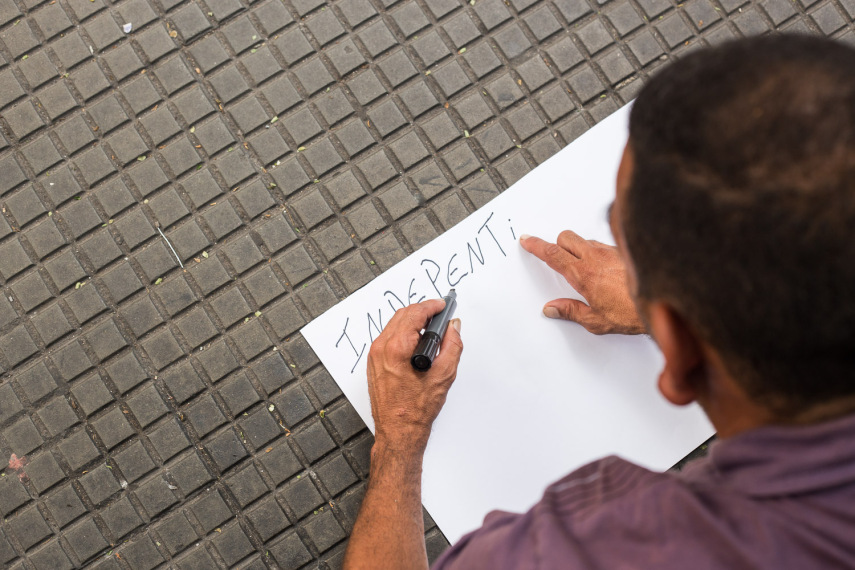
column 500, row 536
column 568, row 528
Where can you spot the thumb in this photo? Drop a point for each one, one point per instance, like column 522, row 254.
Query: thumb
column 569, row 310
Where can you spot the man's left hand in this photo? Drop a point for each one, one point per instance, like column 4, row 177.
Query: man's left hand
column 404, row 401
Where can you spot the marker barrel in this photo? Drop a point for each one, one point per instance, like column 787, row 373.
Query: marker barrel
column 431, row 339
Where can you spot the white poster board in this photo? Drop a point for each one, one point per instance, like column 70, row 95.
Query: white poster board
column 535, row 399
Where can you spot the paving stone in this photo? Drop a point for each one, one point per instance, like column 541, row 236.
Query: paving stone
column 332, row 241
column 51, row 556
column 190, row 21
column 86, row 540
column 345, row 421
column 197, row 328
column 147, row 406
column 155, row 496
column 238, row 394
column 142, row 554
column 78, row 449
column 218, row 361
column 10, row 174
column 105, row 340
column 23, row 119
column 324, row 530
column 156, row 260
column 94, row 165
column 51, row 324
column 260, row 428
column 57, row 100
column 100, row 249
column 268, row 519
column 264, row 286
column 175, row 295
column 176, row 533
column 297, row 265
column 13, row 494
column 168, row 440
column 211, row 510
column 56, row 414
column 585, row 84
column 162, row 349
column 290, row 552
column 313, row 75
column 22, row 436
column 314, row 440
column 10, row 88
column 777, row 11
column 210, row 275
column 302, row 496
column 293, row 405
column 190, row 473
column 225, row 449
column 37, row 69
column 71, row 360
column 272, row 372
column 121, row 518
column 199, row 558
column 147, row 177
column 17, row 345
column 183, row 383
column 31, row 291
column 205, row 416
column 113, row 428
column 29, row 527
column 247, row 485
column 108, row 114
column 674, row 30
column 85, row 303
column 398, row 200
column 71, row 50
column 99, row 484
column 122, row 282
column 645, row 47
column 52, row 21
column 64, row 505
column 366, row 87
column 251, row 339
column 173, row 75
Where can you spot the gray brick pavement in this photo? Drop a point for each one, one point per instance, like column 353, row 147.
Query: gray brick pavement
column 159, row 415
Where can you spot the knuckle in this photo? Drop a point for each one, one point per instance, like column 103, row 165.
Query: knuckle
column 552, row 250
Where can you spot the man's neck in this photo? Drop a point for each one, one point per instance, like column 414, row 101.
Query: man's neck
column 732, row 411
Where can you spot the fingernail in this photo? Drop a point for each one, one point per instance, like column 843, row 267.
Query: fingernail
column 551, row 312
column 456, row 324
column 524, row 237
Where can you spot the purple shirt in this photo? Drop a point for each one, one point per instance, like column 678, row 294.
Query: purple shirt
column 774, row 497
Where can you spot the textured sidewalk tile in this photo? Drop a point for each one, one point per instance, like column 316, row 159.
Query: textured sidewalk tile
column 180, row 199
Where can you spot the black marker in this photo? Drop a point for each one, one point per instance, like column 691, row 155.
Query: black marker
column 432, row 338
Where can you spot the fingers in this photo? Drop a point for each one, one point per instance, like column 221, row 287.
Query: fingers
column 572, row 242
column 555, row 256
column 413, row 317
column 451, row 349
column 571, row 310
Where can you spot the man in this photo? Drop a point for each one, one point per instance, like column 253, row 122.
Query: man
column 733, row 218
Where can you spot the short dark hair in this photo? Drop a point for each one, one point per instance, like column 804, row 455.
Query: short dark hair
column 741, row 210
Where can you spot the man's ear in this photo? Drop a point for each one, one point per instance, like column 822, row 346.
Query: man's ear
column 682, row 378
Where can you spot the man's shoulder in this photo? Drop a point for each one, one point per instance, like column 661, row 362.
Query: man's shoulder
column 606, row 483
column 575, row 519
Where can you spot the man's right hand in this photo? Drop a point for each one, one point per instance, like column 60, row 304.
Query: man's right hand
column 596, row 271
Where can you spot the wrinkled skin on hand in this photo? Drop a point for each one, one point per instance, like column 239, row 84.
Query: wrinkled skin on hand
column 405, row 401
column 598, row 273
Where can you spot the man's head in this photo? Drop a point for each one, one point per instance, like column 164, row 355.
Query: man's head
column 740, row 211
